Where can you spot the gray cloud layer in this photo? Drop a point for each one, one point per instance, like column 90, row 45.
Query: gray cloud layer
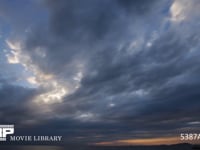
column 139, row 70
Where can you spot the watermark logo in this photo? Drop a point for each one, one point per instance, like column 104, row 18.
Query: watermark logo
column 6, row 130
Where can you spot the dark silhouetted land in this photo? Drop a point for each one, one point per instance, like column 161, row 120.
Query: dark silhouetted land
column 161, row 147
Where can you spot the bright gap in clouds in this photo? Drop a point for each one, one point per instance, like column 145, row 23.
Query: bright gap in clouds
column 53, row 90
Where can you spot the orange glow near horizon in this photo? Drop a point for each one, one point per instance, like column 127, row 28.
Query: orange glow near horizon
column 145, row 141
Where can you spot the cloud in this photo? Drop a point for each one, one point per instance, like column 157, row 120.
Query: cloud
column 179, row 11
column 111, row 70
column 15, row 101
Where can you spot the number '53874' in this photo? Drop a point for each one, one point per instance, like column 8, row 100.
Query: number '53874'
column 189, row 136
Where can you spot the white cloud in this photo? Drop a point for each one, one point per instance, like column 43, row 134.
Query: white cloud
column 32, row 80
column 111, row 105
column 54, row 91
column 13, row 56
column 177, row 11
column 87, row 116
column 54, row 95
column 13, row 45
column 182, row 10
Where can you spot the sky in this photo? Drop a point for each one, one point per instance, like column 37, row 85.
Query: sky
column 105, row 72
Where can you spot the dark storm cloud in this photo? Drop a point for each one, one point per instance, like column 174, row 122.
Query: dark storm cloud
column 172, row 84
column 14, row 100
column 128, row 89
column 96, row 32
column 14, row 103
column 78, row 30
